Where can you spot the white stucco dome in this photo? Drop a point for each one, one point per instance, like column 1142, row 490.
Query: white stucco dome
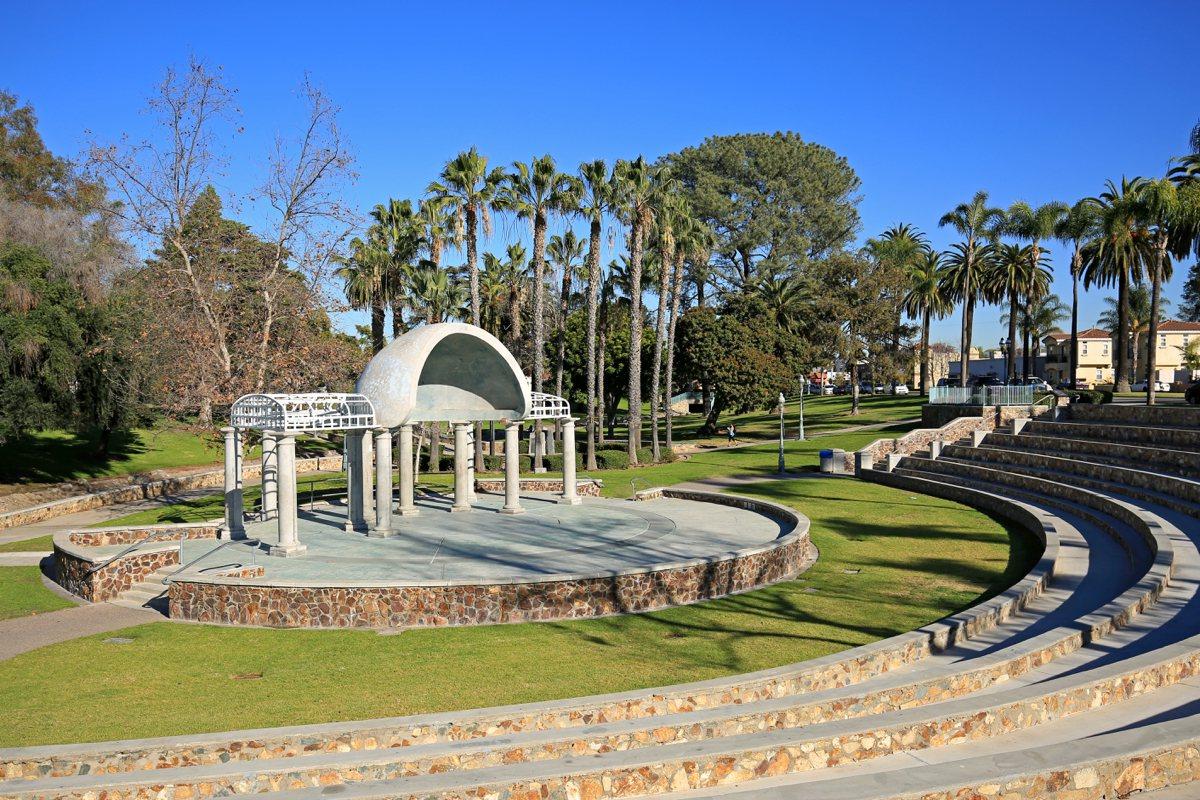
column 447, row 372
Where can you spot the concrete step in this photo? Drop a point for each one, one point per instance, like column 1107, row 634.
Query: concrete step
column 1161, row 459
column 1176, row 438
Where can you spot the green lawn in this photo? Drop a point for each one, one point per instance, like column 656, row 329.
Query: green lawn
column 38, row 545
column 22, row 592
column 920, row 558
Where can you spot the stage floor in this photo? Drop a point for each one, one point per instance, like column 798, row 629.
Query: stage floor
column 598, row 537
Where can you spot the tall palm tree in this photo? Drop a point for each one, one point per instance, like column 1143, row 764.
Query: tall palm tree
column 635, row 193
column 1034, row 225
column 1138, row 310
column 595, row 200
column 362, row 273
column 1043, row 316
column 403, row 231
column 694, row 241
column 925, row 299
column 971, row 220
column 788, row 298
column 898, row 248
column 1076, row 227
column 965, row 280
column 565, row 252
column 1118, row 255
column 533, row 192
column 671, row 217
column 493, row 289
column 512, row 272
column 1170, row 213
column 1015, row 277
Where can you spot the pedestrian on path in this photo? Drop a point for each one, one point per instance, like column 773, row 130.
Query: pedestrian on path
column 732, row 431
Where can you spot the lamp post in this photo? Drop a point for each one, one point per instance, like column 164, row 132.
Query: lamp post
column 802, row 383
column 781, row 401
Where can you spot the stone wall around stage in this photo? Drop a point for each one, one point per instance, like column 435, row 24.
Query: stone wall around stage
column 584, row 487
column 247, row 602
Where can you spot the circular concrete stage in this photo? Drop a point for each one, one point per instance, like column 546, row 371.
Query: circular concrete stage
column 553, row 562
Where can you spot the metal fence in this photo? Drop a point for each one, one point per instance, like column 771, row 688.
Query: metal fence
column 983, row 395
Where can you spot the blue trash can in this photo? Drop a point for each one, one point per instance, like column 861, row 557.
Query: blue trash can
column 826, row 460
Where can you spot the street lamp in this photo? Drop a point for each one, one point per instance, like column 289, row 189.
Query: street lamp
column 802, row 383
column 781, row 401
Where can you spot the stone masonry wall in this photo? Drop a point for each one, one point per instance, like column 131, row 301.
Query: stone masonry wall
column 585, row 487
column 1180, row 416
column 108, row 582
column 481, row 604
column 99, row 537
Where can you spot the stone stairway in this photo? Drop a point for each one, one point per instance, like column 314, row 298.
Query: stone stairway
column 1081, row 681
column 150, row 592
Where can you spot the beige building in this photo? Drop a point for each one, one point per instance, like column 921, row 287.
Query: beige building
column 1174, row 337
column 1095, row 358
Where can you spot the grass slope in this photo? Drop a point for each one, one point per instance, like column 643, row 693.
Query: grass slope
column 920, row 559
column 22, row 593
column 38, row 545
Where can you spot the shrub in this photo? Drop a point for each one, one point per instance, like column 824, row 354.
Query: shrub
column 612, row 459
column 669, row 455
column 1089, row 396
column 1106, row 395
column 554, row 462
column 446, row 463
column 495, row 463
column 645, row 455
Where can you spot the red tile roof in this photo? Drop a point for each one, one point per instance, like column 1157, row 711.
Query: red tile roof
column 1090, row 333
column 1176, row 326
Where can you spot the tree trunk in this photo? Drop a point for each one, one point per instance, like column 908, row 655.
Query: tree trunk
column 564, row 302
column 1076, row 264
column 397, row 321
column 853, row 387
column 660, row 339
column 968, row 324
column 964, row 350
column 1123, row 331
column 539, row 325
column 601, row 398
column 635, row 340
column 593, row 292
column 1160, row 256
column 925, row 351
column 376, row 325
column 1026, row 343
column 473, row 272
column 1011, row 356
column 676, row 291
column 435, row 447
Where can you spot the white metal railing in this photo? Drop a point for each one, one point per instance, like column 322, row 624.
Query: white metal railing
column 302, row 412
column 983, row 395
column 548, row 406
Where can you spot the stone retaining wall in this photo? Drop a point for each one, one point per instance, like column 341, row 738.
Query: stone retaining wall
column 155, row 488
column 237, row 603
column 585, row 487
column 99, row 537
column 109, row 581
column 1181, row 416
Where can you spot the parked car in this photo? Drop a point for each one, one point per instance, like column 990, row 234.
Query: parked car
column 900, row 388
column 879, row 388
column 1078, row 383
column 1192, row 395
column 1144, row 386
column 1037, row 383
column 866, row 388
column 987, row 380
column 841, row 389
column 827, row 389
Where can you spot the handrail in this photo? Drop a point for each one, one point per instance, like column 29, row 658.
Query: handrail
column 128, row 550
column 633, row 483
column 167, row 580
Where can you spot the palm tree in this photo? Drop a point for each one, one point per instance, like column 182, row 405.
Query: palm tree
column 534, row 191
column 1034, row 225
column 1076, row 227
column 788, row 298
column 635, row 194
column 1043, row 316
column 362, row 273
column 403, row 231
column 925, row 299
column 694, row 241
column 1118, row 255
column 564, row 251
column 971, row 220
column 512, row 274
column 965, row 280
column 595, row 200
column 1138, row 310
column 1170, row 213
column 1016, row 277
column 493, row 289
column 671, row 217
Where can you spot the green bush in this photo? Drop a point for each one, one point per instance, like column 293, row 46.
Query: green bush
column 1106, row 395
column 445, row 463
column 645, row 455
column 1089, row 396
column 554, row 462
column 612, row 459
column 495, row 463
column 669, row 455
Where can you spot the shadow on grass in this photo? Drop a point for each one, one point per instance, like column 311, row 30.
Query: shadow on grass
column 64, row 457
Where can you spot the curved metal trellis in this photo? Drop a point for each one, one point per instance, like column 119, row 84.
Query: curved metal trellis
column 303, row 412
column 548, row 406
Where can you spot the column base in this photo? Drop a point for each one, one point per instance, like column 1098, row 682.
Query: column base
column 348, row 527
column 286, row 550
column 380, row 533
column 407, row 512
column 459, row 509
column 569, row 501
column 513, row 510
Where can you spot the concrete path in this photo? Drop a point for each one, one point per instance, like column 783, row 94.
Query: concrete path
column 22, row 559
column 82, row 519
column 23, row 634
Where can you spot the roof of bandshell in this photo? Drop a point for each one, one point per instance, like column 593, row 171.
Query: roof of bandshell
column 445, row 372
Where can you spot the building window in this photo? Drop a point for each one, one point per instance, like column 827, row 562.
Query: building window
column 1162, row 341
column 1105, row 349
column 1186, row 337
column 1099, row 374
column 1083, row 349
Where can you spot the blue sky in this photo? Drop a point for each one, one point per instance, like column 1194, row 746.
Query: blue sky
column 929, row 101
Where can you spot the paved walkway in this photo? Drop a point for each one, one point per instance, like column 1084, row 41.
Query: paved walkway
column 23, row 634
column 82, row 519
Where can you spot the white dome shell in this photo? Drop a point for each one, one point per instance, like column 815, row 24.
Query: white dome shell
column 446, row 372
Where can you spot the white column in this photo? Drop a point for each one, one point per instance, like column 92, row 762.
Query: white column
column 233, row 526
column 366, row 488
column 461, row 457
column 471, row 498
column 407, row 507
column 383, row 485
column 289, row 543
column 512, row 469
column 270, row 476
column 570, row 495
column 353, row 479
